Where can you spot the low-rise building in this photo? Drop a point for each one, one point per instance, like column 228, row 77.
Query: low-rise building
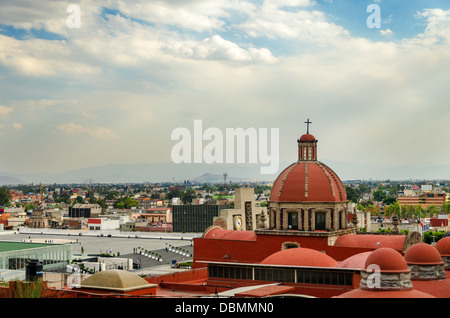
column 423, row 199
column 102, row 224
column 85, row 211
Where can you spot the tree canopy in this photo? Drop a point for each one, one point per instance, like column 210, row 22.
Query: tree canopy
column 5, row 196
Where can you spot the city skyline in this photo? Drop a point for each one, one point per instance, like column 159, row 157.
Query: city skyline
column 110, row 91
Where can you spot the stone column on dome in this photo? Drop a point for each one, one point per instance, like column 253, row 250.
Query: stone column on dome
column 285, row 219
column 340, row 219
column 281, row 222
column 328, row 220
column 272, row 218
column 301, row 222
column 333, row 219
column 276, row 216
column 305, row 220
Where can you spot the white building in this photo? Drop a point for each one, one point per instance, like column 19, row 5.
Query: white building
column 102, row 224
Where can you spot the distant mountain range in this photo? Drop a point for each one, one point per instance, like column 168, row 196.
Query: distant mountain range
column 138, row 173
column 217, row 178
column 10, row 180
column 213, row 173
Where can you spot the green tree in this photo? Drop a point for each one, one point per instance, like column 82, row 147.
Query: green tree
column 389, row 200
column 403, row 211
column 419, row 211
column 174, row 193
column 111, row 195
column 428, row 236
column 126, row 203
column 432, row 210
column 363, row 189
column 102, row 203
column 64, row 198
column 392, row 209
column 188, row 195
column 29, row 206
column 79, row 199
column 367, row 206
column 5, row 196
column 379, row 195
column 352, row 194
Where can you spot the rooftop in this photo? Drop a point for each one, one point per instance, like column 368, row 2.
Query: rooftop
column 13, row 246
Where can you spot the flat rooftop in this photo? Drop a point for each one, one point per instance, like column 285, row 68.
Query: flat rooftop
column 6, row 246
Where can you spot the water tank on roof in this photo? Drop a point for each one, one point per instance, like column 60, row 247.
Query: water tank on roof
column 34, row 270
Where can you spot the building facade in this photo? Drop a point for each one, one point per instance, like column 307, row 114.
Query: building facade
column 194, row 218
column 85, row 211
column 423, row 199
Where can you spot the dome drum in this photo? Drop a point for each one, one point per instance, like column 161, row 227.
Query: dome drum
column 385, row 281
column 308, row 216
column 427, row 272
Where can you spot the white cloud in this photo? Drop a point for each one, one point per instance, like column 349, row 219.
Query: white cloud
column 40, row 58
column 271, row 21
column 5, row 110
column 437, row 27
column 76, row 129
column 290, row 3
column 216, row 48
column 387, row 32
column 17, row 126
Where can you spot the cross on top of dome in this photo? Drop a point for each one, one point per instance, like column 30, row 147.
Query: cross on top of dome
column 307, row 125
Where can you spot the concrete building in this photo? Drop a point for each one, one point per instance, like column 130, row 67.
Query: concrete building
column 103, row 224
column 424, row 199
column 195, row 218
column 17, row 219
column 13, row 255
column 85, row 211
column 247, row 214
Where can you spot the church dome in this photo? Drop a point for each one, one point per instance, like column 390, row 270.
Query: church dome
column 300, row 257
column 423, row 254
column 443, row 246
column 388, row 260
column 308, row 181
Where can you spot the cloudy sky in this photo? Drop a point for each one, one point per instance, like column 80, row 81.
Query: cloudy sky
column 113, row 89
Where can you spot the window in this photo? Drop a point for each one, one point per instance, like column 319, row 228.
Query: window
column 293, row 220
column 279, row 274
